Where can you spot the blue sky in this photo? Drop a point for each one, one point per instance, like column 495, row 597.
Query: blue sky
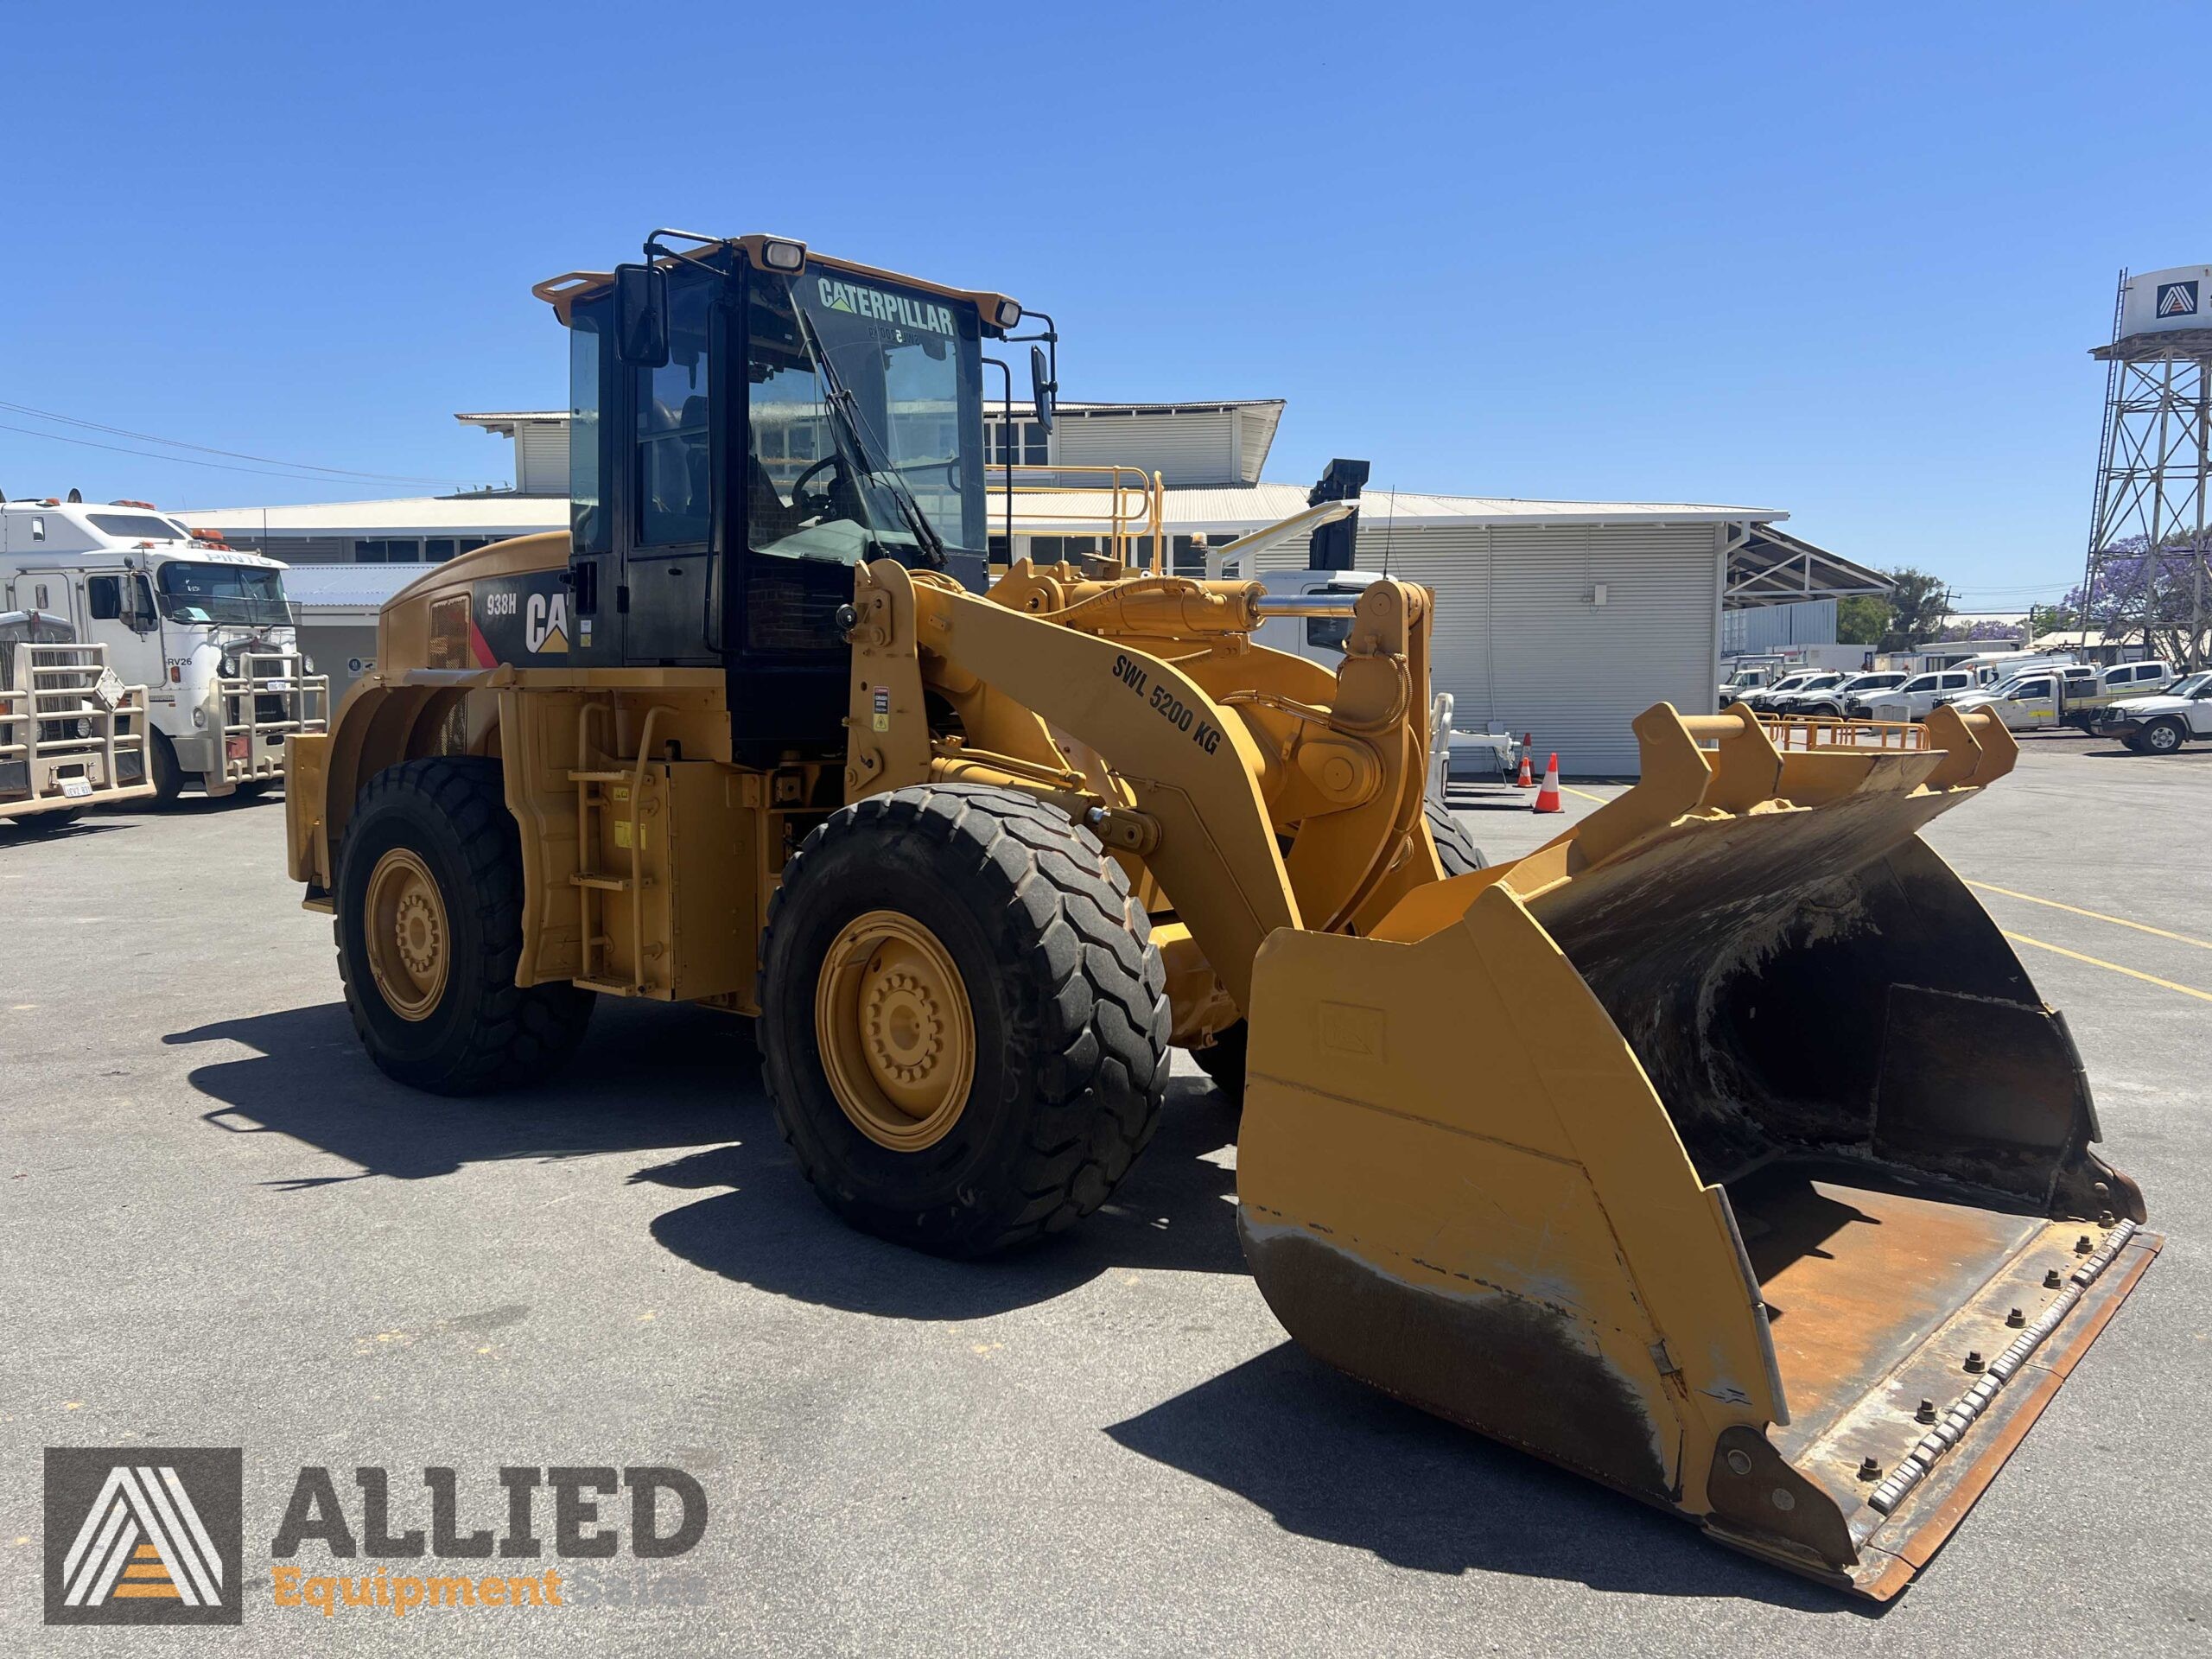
column 1846, row 261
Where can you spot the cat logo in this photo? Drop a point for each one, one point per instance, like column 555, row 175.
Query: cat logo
column 148, row 1536
column 545, row 623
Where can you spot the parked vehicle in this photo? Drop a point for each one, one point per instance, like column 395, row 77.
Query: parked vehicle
column 2043, row 698
column 205, row 627
column 1760, row 701
column 1839, row 700
column 73, row 736
column 1912, row 700
column 1820, row 687
column 2161, row 724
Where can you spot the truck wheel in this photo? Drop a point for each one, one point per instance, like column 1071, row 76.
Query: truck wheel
column 1455, row 849
column 1456, row 853
column 168, row 779
column 963, row 1018
column 32, row 825
column 428, row 927
column 2163, row 737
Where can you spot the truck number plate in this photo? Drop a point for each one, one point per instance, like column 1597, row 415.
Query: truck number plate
column 76, row 788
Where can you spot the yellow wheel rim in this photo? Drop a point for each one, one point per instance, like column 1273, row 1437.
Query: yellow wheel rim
column 410, row 946
column 897, row 1035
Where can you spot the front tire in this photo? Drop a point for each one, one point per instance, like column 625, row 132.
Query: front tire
column 168, row 777
column 963, row 1018
column 2163, row 737
column 429, row 926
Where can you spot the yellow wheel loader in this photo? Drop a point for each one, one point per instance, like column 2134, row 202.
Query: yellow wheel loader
column 1721, row 1150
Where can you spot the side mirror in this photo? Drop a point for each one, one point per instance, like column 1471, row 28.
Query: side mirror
column 641, row 315
column 1043, row 390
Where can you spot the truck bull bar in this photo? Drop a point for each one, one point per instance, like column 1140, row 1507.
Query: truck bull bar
column 271, row 700
column 72, row 734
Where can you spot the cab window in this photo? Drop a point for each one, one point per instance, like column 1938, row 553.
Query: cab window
column 2028, row 689
column 673, row 488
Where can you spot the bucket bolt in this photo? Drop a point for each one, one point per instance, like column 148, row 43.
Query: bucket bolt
column 2052, row 1281
column 1975, row 1361
column 1869, row 1470
column 2081, row 1245
column 2016, row 1319
column 1926, row 1414
column 2104, row 1217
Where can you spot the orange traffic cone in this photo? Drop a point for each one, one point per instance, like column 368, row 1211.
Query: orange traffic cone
column 1548, row 796
column 1527, row 779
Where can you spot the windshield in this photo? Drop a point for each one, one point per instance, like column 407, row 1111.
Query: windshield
column 909, row 440
column 247, row 596
column 2195, row 685
column 135, row 527
column 1793, row 683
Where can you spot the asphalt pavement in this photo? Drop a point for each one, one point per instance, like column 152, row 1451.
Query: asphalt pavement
column 222, row 1227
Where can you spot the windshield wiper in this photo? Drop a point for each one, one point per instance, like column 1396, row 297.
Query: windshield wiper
column 841, row 400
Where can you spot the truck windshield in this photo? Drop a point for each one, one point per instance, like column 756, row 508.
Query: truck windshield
column 2195, row 686
column 244, row 594
column 908, row 362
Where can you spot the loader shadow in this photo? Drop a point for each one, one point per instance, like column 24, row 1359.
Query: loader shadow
column 652, row 1078
column 646, row 1077
column 1333, row 1459
column 1174, row 1211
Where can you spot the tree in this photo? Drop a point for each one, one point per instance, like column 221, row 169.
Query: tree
column 1919, row 604
column 2155, row 598
column 1861, row 619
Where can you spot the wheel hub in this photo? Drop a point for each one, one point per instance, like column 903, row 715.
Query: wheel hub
column 405, row 933
column 895, row 1030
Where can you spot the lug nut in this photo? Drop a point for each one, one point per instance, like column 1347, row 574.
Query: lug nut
column 2016, row 1319
column 2104, row 1217
column 1926, row 1414
column 2052, row 1281
column 2081, row 1245
column 1974, row 1359
column 1869, row 1470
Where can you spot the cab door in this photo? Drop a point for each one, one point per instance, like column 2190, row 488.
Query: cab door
column 2033, row 706
column 666, row 540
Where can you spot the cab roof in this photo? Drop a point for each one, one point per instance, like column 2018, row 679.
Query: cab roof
column 563, row 292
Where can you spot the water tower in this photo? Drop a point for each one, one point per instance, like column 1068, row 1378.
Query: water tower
column 2153, row 461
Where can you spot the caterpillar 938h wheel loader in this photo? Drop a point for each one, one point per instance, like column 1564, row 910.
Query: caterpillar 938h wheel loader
column 1721, row 1150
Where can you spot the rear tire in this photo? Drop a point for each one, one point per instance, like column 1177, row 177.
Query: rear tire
column 2163, row 737
column 1455, row 849
column 168, row 778
column 1051, row 980
column 470, row 1028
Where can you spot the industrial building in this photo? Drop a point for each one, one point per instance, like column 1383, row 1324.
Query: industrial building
column 1563, row 618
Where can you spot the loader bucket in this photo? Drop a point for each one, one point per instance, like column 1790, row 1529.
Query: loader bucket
column 1721, row 1150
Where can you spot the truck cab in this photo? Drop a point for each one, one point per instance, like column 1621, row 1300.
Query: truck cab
column 1912, row 700
column 205, row 627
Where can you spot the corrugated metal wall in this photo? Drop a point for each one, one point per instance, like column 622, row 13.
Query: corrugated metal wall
column 1768, row 627
column 541, row 457
column 1517, row 640
column 1185, row 449
column 296, row 549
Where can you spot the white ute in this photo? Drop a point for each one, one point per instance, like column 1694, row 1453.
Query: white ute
column 2161, row 724
column 205, row 628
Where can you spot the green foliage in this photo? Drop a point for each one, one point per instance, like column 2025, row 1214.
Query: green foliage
column 1862, row 621
column 1919, row 604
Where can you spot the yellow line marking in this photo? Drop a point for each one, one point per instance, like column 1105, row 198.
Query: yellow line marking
column 2098, row 962
column 2094, row 915
column 1584, row 794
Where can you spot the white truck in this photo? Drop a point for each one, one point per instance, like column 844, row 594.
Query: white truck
column 2161, row 724
column 1913, row 699
column 205, row 627
column 73, row 736
column 2066, row 694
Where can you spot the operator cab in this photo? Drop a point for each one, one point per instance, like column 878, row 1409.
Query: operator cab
column 749, row 422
